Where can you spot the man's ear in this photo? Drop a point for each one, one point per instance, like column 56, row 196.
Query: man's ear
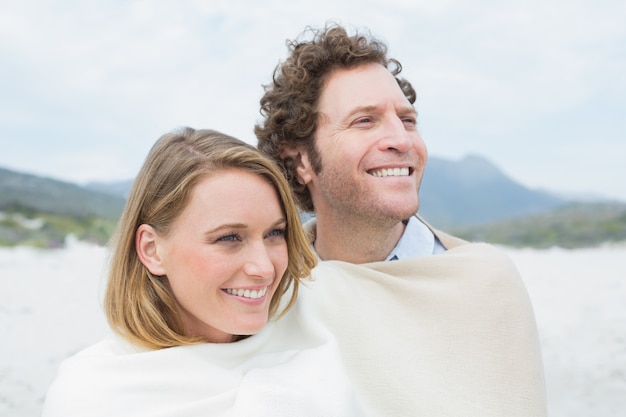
column 300, row 161
column 146, row 245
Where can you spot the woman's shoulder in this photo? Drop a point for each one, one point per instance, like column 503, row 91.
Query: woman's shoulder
column 113, row 345
column 75, row 377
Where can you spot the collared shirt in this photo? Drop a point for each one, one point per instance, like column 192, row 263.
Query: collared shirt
column 417, row 240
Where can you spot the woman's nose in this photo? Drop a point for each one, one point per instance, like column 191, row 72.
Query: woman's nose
column 259, row 263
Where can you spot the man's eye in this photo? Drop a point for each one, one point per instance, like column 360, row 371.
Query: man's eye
column 409, row 121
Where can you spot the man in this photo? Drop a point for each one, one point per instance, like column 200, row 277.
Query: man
column 446, row 327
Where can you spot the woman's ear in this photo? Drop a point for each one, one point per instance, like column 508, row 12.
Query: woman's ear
column 301, row 162
column 146, row 245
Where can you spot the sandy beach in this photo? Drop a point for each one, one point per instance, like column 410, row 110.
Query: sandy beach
column 50, row 309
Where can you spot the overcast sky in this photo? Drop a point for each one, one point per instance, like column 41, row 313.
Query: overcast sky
column 537, row 87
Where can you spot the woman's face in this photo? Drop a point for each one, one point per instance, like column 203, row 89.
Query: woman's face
column 225, row 255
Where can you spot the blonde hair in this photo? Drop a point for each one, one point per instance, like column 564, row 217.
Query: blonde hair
column 141, row 307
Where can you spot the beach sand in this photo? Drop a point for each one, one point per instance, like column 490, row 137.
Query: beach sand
column 50, row 309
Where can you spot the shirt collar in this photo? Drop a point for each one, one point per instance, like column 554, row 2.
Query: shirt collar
column 417, row 240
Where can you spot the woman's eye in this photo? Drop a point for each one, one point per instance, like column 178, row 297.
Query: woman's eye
column 277, row 232
column 233, row 237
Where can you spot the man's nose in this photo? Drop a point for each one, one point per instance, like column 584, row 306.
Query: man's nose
column 395, row 136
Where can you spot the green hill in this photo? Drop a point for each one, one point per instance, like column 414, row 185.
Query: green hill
column 41, row 212
column 45, row 230
column 573, row 226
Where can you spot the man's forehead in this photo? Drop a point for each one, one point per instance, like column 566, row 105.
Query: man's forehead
column 367, row 87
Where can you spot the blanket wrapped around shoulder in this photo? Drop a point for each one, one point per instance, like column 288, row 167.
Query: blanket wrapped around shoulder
column 292, row 368
column 445, row 335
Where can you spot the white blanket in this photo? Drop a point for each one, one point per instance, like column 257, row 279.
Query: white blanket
column 445, row 335
column 292, row 368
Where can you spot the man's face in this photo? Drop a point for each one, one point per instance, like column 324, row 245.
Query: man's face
column 372, row 156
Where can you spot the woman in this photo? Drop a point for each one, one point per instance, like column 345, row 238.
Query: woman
column 207, row 246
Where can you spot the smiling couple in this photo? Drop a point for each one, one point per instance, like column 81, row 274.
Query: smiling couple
column 223, row 305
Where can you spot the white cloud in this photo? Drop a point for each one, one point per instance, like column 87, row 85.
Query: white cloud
column 110, row 77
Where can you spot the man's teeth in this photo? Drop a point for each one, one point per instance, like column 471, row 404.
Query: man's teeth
column 391, row 172
column 254, row 294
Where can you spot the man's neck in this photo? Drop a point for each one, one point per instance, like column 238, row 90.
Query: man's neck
column 356, row 240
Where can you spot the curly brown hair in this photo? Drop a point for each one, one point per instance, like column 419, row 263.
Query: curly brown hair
column 289, row 105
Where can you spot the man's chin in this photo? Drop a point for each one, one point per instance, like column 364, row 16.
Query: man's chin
column 397, row 214
column 406, row 210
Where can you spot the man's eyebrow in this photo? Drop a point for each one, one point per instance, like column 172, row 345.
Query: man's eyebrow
column 407, row 110
column 362, row 109
column 374, row 108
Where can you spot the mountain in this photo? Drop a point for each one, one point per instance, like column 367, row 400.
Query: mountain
column 471, row 198
column 20, row 191
column 118, row 188
column 453, row 193
column 473, row 191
